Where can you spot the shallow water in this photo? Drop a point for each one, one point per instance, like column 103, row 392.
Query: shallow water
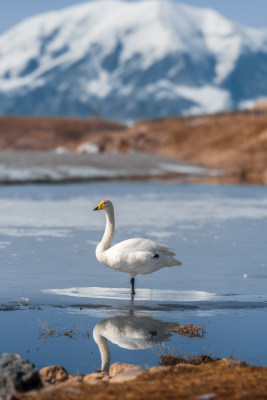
column 50, row 278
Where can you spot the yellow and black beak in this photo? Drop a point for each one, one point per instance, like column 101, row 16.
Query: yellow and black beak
column 100, row 206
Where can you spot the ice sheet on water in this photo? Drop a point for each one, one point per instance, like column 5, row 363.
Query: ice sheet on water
column 52, row 233
column 169, row 210
column 156, row 295
column 58, row 174
column 3, row 245
column 92, row 242
column 33, row 233
column 246, row 276
column 185, row 169
column 123, row 294
column 217, row 233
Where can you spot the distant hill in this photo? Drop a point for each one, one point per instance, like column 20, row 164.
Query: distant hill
column 233, row 143
column 130, row 60
column 50, row 133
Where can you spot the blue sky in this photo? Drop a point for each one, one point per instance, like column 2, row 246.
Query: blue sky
column 248, row 12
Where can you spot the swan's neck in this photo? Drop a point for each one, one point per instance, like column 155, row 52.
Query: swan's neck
column 109, row 231
column 104, row 353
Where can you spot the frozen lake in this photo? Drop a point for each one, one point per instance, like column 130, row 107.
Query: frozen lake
column 50, row 278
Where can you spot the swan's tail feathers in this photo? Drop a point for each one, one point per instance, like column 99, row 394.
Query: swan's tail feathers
column 178, row 263
column 168, row 261
column 172, row 262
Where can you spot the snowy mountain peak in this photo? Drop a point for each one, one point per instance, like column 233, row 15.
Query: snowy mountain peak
column 128, row 60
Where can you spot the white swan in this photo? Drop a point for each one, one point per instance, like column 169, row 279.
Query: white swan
column 130, row 332
column 133, row 256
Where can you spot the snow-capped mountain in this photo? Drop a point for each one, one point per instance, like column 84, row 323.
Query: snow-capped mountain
column 130, row 60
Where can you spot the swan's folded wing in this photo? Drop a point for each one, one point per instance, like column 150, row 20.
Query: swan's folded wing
column 140, row 244
column 135, row 261
column 127, row 259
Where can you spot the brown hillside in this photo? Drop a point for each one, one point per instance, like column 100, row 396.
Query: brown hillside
column 50, row 133
column 235, row 143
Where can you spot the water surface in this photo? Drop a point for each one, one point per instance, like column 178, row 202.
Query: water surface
column 51, row 278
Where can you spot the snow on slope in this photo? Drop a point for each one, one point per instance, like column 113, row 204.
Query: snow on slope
column 153, row 28
column 128, row 59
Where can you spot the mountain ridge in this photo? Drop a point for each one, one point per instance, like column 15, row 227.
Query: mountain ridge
column 130, row 60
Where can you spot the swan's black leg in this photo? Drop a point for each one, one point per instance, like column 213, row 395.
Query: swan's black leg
column 132, row 285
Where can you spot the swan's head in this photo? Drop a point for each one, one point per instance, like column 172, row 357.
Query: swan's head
column 104, row 205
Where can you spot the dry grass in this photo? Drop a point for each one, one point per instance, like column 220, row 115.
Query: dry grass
column 233, row 142
column 220, row 378
column 48, row 331
column 172, row 359
column 189, row 331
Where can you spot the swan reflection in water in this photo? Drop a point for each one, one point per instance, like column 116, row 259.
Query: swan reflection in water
column 133, row 332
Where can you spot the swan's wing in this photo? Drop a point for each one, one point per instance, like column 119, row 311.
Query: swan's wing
column 127, row 260
column 140, row 256
column 139, row 244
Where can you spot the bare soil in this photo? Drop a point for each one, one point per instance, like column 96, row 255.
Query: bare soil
column 233, row 142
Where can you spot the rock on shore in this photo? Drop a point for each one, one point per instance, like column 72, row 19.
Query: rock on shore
column 17, row 375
